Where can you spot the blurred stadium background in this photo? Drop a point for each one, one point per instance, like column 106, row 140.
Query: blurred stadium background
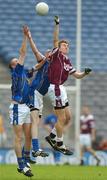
column 13, row 14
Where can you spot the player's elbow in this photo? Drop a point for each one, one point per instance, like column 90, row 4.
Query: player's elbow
column 55, row 42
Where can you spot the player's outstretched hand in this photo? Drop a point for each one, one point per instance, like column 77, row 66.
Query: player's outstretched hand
column 87, row 70
column 56, row 19
column 26, row 31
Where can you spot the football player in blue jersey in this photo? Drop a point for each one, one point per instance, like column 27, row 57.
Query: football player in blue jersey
column 38, row 82
column 39, row 86
column 19, row 111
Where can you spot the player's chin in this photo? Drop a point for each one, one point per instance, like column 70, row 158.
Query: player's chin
column 65, row 51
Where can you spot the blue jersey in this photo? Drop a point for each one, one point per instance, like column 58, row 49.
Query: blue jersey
column 41, row 82
column 50, row 120
column 20, row 84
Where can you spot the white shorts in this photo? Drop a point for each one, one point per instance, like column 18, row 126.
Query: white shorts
column 38, row 101
column 61, row 102
column 19, row 114
column 85, row 140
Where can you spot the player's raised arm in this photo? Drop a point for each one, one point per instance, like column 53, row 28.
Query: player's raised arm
column 34, row 48
column 80, row 75
column 39, row 65
column 23, row 50
column 56, row 32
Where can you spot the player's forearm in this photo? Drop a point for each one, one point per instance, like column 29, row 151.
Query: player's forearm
column 35, row 50
column 56, row 32
column 23, row 50
column 56, row 35
column 39, row 65
column 79, row 75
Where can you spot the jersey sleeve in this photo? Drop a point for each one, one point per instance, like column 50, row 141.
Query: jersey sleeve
column 92, row 124
column 55, row 51
column 72, row 69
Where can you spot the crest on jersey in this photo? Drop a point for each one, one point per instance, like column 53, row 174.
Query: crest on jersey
column 67, row 67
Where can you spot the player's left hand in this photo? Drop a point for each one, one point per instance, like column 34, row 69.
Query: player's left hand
column 87, row 70
column 56, row 19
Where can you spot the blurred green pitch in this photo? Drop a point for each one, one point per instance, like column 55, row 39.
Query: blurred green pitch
column 62, row 172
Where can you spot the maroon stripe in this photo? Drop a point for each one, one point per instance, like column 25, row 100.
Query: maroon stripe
column 57, row 90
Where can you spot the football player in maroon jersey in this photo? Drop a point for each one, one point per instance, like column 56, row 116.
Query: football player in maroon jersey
column 59, row 69
column 87, row 133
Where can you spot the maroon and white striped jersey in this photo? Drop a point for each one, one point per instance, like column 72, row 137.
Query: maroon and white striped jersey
column 86, row 124
column 60, row 67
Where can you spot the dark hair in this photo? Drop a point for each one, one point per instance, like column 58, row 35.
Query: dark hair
column 9, row 65
column 62, row 41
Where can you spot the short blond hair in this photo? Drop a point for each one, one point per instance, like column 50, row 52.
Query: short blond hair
column 63, row 41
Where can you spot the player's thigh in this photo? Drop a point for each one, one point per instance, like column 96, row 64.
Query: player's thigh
column 40, row 104
column 51, row 94
column 89, row 148
column 34, row 115
column 64, row 95
column 85, row 140
column 82, row 140
column 38, row 99
column 65, row 101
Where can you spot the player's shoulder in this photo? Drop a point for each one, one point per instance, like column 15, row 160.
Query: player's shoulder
column 56, row 49
column 19, row 66
column 91, row 117
column 82, row 117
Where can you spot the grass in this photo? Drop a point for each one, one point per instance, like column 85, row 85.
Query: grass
column 8, row 172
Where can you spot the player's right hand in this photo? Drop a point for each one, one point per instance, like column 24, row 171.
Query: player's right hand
column 56, row 19
column 87, row 70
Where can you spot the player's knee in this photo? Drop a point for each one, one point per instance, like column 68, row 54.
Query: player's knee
column 89, row 149
column 18, row 139
column 68, row 117
column 68, row 121
column 28, row 137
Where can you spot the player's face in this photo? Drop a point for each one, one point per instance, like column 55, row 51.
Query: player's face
column 64, row 48
column 14, row 63
column 85, row 110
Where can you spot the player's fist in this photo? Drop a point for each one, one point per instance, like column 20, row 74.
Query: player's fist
column 87, row 70
column 56, row 19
